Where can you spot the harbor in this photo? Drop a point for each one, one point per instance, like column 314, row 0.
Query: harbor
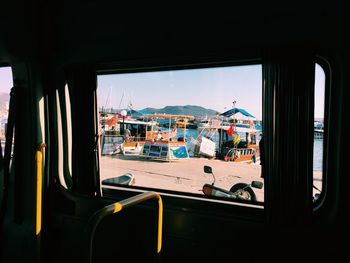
column 160, row 151
column 191, row 119
column 152, row 162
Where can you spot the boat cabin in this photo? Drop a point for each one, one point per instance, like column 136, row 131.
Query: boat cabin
column 238, row 143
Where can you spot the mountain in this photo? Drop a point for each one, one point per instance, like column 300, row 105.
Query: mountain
column 182, row 110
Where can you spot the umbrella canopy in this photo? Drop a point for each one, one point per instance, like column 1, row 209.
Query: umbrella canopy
column 233, row 111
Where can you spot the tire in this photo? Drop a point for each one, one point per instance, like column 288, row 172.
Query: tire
column 246, row 194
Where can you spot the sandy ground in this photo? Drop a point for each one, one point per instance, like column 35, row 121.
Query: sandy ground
column 185, row 175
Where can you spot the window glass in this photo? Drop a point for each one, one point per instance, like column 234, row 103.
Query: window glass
column 160, row 129
column 69, row 127
column 318, row 131
column 6, row 84
column 60, row 142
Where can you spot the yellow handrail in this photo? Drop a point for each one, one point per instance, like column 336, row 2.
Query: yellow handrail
column 39, row 184
column 117, row 207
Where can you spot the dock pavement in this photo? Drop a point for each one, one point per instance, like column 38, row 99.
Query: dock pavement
column 185, row 175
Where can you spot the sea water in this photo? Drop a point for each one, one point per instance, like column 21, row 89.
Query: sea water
column 318, row 154
column 192, row 134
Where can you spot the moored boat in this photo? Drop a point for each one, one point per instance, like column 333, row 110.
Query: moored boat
column 237, row 138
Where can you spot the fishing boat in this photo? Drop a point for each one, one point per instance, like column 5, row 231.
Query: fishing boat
column 126, row 137
column 182, row 123
column 165, row 146
column 135, row 134
column 146, row 138
column 238, row 142
column 227, row 137
column 208, row 123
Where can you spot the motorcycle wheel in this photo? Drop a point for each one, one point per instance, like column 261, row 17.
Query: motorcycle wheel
column 243, row 191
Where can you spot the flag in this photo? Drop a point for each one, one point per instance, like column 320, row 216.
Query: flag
column 236, row 138
column 231, row 130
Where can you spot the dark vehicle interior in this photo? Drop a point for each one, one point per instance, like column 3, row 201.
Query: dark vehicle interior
column 55, row 48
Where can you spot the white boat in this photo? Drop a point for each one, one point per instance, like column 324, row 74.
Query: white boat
column 129, row 135
column 145, row 139
column 163, row 145
column 239, row 146
column 209, row 123
column 140, row 132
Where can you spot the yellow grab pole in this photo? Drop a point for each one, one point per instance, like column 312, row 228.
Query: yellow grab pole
column 39, row 184
column 160, row 223
column 117, row 207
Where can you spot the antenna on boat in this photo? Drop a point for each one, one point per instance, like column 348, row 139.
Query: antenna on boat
column 130, row 106
column 107, row 99
column 120, row 103
column 234, row 109
column 234, row 104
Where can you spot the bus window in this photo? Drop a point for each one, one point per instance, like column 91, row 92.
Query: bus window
column 192, row 118
column 6, row 84
column 320, row 82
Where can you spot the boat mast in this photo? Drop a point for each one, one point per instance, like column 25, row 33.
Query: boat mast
column 120, row 103
column 234, row 109
column 233, row 120
column 107, row 99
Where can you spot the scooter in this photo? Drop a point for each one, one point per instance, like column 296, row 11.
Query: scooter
column 240, row 191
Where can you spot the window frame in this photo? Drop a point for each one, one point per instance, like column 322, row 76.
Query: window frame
column 326, row 67
column 188, row 199
column 5, row 171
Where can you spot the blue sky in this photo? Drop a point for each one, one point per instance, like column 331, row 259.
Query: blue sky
column 214, row 88
column 320, row 79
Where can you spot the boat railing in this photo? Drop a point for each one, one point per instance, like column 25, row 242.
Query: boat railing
column 318, row 134
column 136, row 139
column 243, row 151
